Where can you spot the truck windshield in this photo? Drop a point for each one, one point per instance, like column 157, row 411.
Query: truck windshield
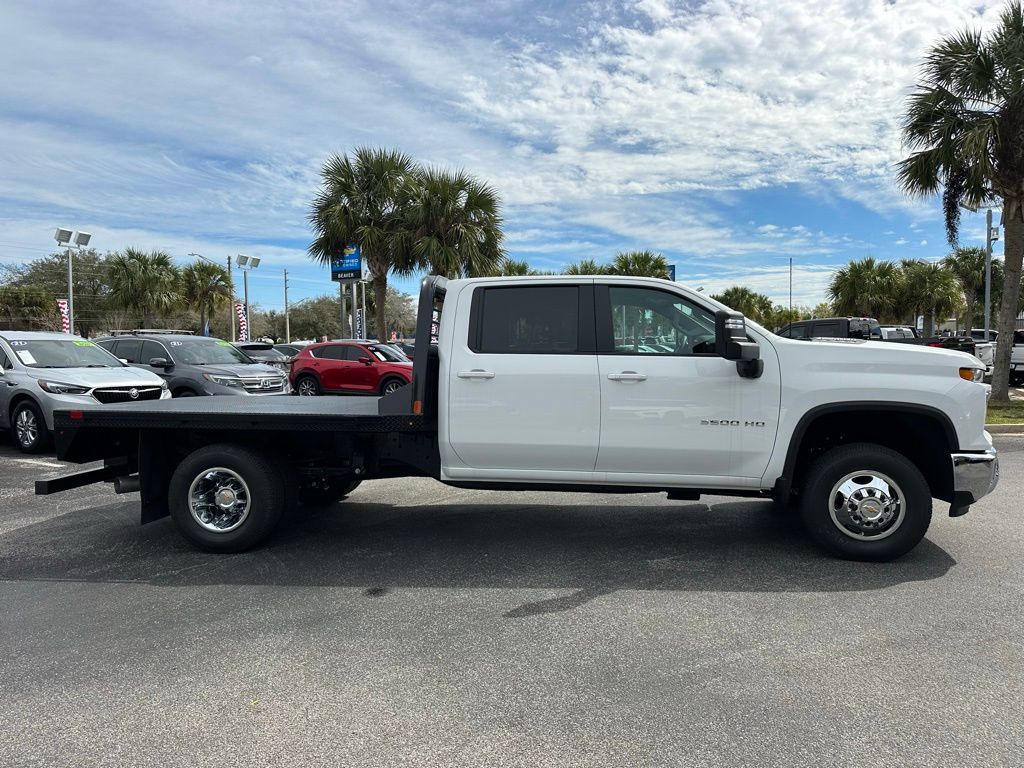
column 61, row 353
column 208, row 353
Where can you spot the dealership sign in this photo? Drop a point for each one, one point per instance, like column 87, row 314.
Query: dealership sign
column 349, row 265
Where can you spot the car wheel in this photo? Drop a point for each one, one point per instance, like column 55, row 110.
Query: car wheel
column 225, row 498
column 28, row 427
column 184, row 393
column 865, row 502
column 390, row 385
column 321, row 495
column 307, row 386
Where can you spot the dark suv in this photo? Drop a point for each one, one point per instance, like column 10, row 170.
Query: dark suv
column 197, row 365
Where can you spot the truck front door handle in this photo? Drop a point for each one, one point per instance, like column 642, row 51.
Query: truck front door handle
column 628, row 376
column 476, row 373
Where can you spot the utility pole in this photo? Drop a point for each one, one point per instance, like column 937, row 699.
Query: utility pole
column 341, row 305
column 287, row 323
column 791, row 289
column 988, row 272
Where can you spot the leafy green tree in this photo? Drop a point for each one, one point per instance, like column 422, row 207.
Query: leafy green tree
column 964, row 126
column 147, row 284
column 756, row 306
column 206, row 289
column 452, row 225
column 639, row 264
column 823, row 309
column 933, row 289
column 586, row 267
column 865, row 288
column 24, row 307
column 50, row 275
column 315, row 318
column 366, row 198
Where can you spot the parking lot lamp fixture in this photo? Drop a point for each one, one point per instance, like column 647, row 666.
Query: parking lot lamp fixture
column 71, row 241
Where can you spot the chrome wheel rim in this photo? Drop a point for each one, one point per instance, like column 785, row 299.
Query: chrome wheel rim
column 867, row 505
column 219, row 500
column 307, row 387
column 26, row 427
column 390, row 387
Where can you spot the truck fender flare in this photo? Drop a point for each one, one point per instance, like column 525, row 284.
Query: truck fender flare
column 789, row 469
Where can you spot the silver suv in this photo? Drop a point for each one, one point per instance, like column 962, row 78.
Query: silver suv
column 40, row 372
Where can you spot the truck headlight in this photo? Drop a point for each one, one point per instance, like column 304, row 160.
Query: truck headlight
column 972, row 374
column 224, row 381
column 60, row 388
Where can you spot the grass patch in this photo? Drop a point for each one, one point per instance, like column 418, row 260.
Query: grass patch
column 1005, row 413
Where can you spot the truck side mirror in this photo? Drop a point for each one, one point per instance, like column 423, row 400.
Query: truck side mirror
column 731, row 342
column 159, row 362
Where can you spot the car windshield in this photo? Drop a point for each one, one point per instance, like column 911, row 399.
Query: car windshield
column 61, row 353
column 389, row 354
column 207, row 353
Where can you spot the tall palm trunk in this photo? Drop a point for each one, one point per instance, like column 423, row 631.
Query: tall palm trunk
column 380, row 295
column 1013, row 253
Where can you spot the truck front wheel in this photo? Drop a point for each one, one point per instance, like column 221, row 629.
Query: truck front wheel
column 225, row 498
column 865, row 502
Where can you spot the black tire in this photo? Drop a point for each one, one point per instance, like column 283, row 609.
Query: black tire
column 184, row 393
column 877, row 531
column 28, row 428
column 391, row 384
column 262, row 481
column 324, row 495
column 309, row 383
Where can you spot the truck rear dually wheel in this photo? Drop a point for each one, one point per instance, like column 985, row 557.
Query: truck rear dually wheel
column 225, row 498
column 865, row 502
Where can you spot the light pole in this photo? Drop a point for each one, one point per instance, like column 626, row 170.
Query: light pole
column 81, row 239
column 246, row 263
column 991, row 235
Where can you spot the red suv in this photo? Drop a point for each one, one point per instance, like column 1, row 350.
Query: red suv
column 349, row 366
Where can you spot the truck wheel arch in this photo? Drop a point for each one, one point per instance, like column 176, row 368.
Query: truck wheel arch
column 827, row 426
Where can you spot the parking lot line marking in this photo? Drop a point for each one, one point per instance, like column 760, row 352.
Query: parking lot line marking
column 39, row 463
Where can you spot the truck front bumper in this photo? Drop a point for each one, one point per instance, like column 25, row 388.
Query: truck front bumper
column 975, row 475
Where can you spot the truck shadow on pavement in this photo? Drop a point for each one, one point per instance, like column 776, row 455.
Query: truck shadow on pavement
column 590, row 549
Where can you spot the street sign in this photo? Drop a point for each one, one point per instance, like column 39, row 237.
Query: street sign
column 349, row 266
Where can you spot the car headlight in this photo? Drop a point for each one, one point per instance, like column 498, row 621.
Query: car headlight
column 224, row 381
column 972, row 374
column 60, row 388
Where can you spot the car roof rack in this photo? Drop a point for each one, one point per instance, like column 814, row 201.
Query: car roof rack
column 154, row 331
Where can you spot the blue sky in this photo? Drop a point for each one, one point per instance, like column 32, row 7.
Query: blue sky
column 730, row 135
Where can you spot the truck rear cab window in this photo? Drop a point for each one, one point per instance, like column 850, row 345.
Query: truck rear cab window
column 827, row 331
column 535, row 320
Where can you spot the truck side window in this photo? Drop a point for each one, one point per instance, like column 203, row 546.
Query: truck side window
column 827, row 331
column 538, row 320
column 647, row 321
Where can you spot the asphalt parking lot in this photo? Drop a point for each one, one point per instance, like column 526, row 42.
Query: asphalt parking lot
column 417, row 625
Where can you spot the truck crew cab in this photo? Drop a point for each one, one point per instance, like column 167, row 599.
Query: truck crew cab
column 603, row 384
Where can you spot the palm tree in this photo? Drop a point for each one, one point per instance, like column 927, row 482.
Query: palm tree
column 586, row 267
column 144, row 283
column 639, row 264
column 965, row 128
column 453, row 225
column 513, row 268
column 365, row 199
column 968, row 264
column 865, row 288
column 933, row 289
column 205, row 288
column 754, row 305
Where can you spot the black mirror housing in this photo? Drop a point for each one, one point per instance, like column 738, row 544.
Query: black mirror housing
column 731, row 342
column 159, row 362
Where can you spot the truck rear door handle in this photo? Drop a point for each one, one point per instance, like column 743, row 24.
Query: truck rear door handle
column 628, row 376
column 476, row 373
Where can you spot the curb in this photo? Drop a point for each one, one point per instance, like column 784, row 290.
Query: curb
column 1005, row 429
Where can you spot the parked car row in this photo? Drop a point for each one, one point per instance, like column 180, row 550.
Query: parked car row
column 351, row 366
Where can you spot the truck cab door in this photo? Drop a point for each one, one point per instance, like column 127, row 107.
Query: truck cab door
column 672, row 410
column 522, row 386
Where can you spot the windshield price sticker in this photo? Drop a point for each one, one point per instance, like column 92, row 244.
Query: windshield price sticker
column 26, row 357
column 223, row 343
column 83, row 344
